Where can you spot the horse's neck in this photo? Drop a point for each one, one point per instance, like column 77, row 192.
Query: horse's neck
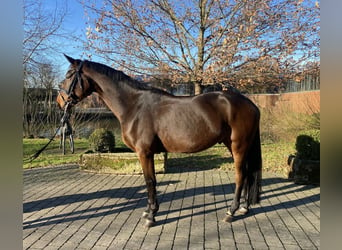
column 118, row 97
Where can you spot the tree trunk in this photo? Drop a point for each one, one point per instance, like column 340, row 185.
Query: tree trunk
column 200, row 47
column 198, row 88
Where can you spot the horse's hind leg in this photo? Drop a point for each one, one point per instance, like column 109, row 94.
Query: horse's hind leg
column 147, row 163
column 239, row 154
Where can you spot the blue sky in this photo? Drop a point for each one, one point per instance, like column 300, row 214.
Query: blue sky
column 74, row 23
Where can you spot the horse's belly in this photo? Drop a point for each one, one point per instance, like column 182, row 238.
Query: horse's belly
column 190, row 128
column 190, row 141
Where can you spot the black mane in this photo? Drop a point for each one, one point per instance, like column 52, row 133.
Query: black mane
column 120, row 77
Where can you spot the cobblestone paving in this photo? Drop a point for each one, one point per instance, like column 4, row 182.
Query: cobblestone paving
column 66, row 208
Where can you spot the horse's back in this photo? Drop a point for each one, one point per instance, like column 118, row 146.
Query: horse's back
column 229, row 105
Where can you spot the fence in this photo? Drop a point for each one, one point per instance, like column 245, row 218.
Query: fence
column 309, row 82
column 307, row 102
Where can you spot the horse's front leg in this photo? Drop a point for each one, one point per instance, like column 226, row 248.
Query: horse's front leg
column 147, row 163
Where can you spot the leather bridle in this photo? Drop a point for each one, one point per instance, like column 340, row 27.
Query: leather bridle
column 72, row 98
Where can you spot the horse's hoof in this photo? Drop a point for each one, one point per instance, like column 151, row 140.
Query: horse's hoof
column 149, row 223
column 228, row 218
column 144, row 215
column 242, row 210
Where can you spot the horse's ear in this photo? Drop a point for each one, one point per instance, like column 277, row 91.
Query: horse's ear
column 70, row 59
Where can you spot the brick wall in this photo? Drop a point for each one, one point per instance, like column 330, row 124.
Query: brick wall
column 307, row 102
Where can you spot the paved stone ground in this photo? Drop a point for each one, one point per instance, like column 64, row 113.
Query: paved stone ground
column 65, row 208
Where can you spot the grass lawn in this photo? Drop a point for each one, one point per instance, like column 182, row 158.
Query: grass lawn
column 52, row 155
column 274, row 156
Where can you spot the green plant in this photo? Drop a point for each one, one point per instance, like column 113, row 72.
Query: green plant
column 314, row 121
column 102, row 140
column 274, row 156
column 308, row 145
column 52, row 155
column 281, row 124
column 267, row 123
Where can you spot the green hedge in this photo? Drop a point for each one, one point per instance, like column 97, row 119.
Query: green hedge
column 308, row 145
column 102, row 140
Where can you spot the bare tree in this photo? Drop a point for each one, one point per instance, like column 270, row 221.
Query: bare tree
column 39, row 106
column 42, row 27
column 204, row 41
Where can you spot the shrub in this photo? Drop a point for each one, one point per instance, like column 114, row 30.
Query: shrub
column 282, row 124
column 102, row 140
column 268, row 119
column 308, row 145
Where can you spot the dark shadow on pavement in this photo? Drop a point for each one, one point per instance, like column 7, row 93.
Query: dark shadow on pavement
column 196, row 163
column 135, row 197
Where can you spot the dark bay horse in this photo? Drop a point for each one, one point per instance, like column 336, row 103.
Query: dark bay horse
column 154, row 121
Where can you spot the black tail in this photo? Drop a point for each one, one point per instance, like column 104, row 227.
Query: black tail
column 254, row 170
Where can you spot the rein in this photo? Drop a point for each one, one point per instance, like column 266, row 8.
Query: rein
column 66, row 114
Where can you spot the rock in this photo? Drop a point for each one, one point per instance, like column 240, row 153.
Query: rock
column 304, row 171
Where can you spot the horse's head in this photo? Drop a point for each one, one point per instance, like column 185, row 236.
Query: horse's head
column 75, row 87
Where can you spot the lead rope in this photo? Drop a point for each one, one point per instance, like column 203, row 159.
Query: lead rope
column 64, row 118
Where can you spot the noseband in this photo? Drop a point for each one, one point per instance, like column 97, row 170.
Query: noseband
column 72, row 98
